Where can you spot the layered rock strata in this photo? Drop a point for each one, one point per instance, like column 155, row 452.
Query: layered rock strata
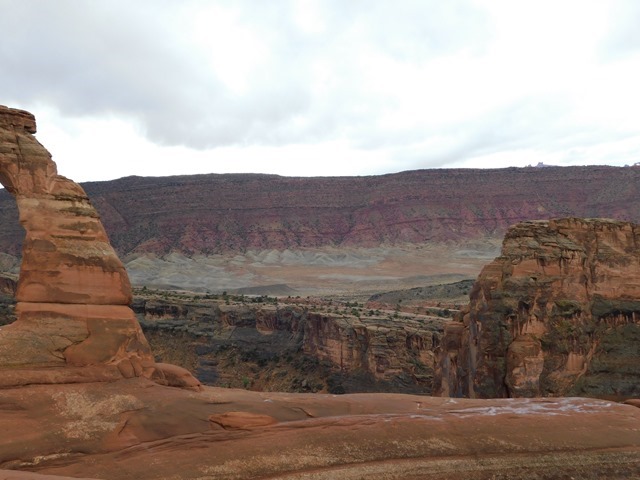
column 557, row 313
column 291, row 347
column 73, row 292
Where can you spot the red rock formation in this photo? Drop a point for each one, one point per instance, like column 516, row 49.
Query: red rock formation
column 73, row 292
column 367, row 353
column 558, row 313
column 391, row 351
column 230, row 213
column 137, row 429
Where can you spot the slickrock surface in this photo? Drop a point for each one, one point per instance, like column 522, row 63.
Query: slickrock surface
column 73, row 319
column 137, row 429
column 557, row 313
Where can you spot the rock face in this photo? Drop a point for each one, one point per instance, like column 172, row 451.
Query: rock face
column 291, row 347
column 136, row 429
column 234, row 213
column 556, row 314
column 73, row 292
column 398, row 353
column 74, row 328
column 320, row 236
column 231, row 213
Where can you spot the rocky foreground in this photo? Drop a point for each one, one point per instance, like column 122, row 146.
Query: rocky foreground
column 135, row 429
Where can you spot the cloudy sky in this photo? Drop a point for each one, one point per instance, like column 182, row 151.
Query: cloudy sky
column 323, row 87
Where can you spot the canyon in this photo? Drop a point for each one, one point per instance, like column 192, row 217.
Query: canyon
column 83, row 395
column 556, row 314
column 292, row 344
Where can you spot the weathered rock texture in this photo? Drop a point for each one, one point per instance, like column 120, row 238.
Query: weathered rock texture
column 136, row 429
column 238, row 212
column 73, row 292
column 558, row 313
column 74, row 327
column 292, row 347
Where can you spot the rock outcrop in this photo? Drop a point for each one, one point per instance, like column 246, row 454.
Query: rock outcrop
column 73, row 317
column 211, row 214
column 557, row 313
column 292, row 347
column 136, row 429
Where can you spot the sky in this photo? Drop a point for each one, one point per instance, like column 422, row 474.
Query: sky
column 323, row 87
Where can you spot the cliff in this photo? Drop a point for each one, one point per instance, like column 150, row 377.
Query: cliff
column 291, row 346
column 230, row 213
column 556, row 314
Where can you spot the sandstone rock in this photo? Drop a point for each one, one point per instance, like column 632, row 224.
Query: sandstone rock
column 15, row 475
column 77, row 399
column 73, row 292
column 241, row 420
column 137, row 429
column 174, row 376
column 558, row 313
column 316, row 234
column 240, row 212
column 387, row 349
column 370, row 353
column 633, row 401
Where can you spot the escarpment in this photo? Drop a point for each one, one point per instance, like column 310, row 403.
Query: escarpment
column 556, row 314
column 292, row 346
column 73, row 321
column 219, row 214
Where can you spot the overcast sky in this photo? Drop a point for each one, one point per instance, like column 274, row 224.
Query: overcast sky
column 323, row 87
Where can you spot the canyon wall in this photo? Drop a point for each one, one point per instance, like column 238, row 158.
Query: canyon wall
column 556, row 314
column 292, row 347
column 230, row 213
column 82, row 397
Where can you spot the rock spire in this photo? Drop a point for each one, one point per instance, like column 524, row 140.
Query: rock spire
column 73, row 317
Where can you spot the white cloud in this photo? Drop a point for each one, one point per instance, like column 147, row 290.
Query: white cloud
column 309, row 87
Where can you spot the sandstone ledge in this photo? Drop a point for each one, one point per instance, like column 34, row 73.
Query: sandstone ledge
column 138, row 429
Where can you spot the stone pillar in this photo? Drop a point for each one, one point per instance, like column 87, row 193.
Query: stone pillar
column 73, row 317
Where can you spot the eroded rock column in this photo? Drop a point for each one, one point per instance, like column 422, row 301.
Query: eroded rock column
column 73, row 293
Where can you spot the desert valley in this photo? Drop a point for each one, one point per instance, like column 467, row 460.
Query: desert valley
column 432, row 324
